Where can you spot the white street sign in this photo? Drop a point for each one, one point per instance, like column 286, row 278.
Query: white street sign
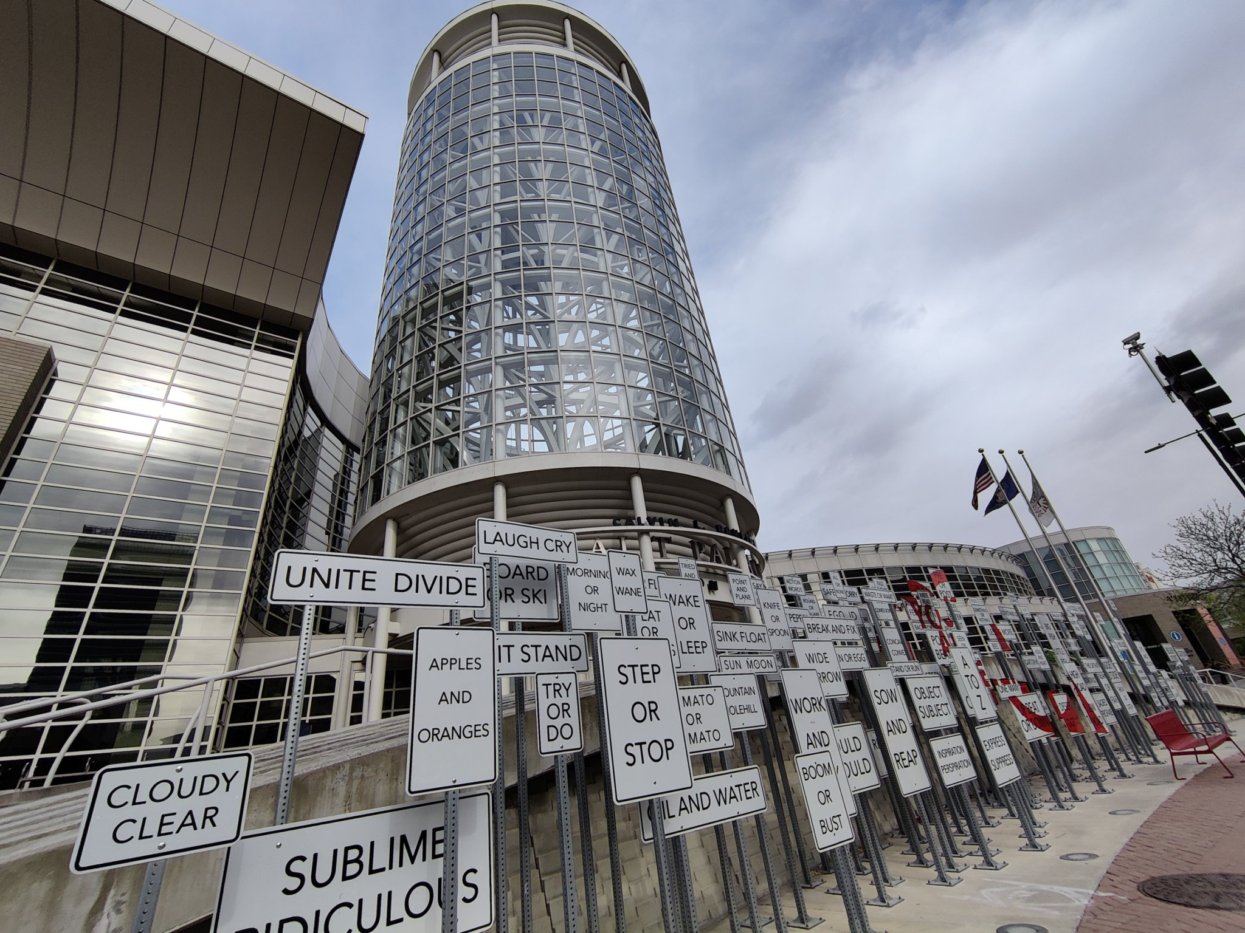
column 851, row 657
column 692, row 632
column 524, row 542
column 973, row 693
column 932, row 702
column 687, row 569
column 740, row 636
column 528, row 590
column 808, row 602
column 741, row 589
column 955, row 764
column 836, row 593
column 327, row 874
column 747, row 664
column 706, row 720
column 652, row 584
column 658, row 622
column 810, row 715
column 453, row 730
column 896, row 649
column 774, row 615
column 896, row 732
column 643, row 728
column 1033, row 716
column 792, row 584
column 828, row 808
column 879, row 756
column 627, row 582
column 524, row 654
column 743, row 700
column 823, row 628
column 588, row 587
column 999, row 758
column 795, row 621
column 856, row 757
column 322, row 579
column 158, row 809
column 820, row 657
column 720, row 797
column 557, row 714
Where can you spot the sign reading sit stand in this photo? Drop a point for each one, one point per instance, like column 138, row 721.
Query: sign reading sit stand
column 137, row 813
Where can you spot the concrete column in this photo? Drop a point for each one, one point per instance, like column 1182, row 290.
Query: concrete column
column 732, row 518
column 567, row 34
column 626, row 74
column 499, row 495
column 495, row 29
column 641, row 512
column 345, row 672
column 436, row 65
column 380, row 636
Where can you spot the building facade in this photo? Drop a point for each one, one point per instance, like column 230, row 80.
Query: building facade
column 541, row 350
column 1097, row 548
column 178, row 407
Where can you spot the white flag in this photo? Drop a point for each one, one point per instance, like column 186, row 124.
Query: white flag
column 1039, row 505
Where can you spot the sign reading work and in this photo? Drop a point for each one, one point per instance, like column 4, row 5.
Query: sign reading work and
column 643, row 728
column 810, row 716
column 714, row 798
column 158, row 809
column 895, row 731
column 524, row 542
column 557, row 714
column 322, row 579
column 453, row 710
column 523, row 654
column 361, row 871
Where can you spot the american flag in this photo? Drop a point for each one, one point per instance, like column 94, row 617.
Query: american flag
column 982, row 481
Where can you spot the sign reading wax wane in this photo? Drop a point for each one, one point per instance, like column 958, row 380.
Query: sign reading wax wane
column 453, row 710
column 155, row 810
column 525, row 542
column 643, row 725
column 322, row 579
column 380, row 869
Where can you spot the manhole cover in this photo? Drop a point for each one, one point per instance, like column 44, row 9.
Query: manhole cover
column 1079, row 857
column 1211, row 891
column 1126, row 811
column 1021, row 928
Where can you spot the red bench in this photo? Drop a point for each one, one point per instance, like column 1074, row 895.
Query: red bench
column 1178, row 740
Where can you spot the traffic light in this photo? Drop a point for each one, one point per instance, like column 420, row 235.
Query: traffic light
column 1191, row 383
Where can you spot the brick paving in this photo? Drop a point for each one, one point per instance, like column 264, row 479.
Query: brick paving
column 1200, row 828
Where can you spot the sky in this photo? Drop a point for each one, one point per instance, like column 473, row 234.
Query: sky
column 918, row 229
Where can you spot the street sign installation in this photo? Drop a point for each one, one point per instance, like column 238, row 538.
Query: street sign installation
column 692, row 631
column 322, row 579
column 524, row 542
column 714, row 798
column 740, row 636
column 626, row 582
column 856, row 757
column 932, row 702
column 453, row 731
column 137, row 813
column 361, row 871
column 528, row 591
column 741, row 589
column 643, row 728
column 820, row 657
column 806, row 705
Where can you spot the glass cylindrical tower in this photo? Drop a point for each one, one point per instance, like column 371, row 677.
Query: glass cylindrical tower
column 540, row 326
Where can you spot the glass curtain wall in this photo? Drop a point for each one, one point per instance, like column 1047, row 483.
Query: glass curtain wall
column 129, row 508
column 538, row 296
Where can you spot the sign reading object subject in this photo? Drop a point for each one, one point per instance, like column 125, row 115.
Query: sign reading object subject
column 321, row 579
column 648, row 750
column 381, row 866
column 141, row 812
column 453, row 710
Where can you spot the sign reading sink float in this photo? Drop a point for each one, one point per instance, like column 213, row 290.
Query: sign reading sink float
column 367, row 871
column 159, row 809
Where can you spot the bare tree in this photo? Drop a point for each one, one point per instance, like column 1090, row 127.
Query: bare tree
column 1208, row 554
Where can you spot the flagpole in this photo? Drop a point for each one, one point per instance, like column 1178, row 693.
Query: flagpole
column 1090, row 624
column 1028, row 540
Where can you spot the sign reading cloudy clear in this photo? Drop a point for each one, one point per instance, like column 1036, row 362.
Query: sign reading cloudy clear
column 158, row 809
column 328, row 874
column 322, row 579
column 524, row 542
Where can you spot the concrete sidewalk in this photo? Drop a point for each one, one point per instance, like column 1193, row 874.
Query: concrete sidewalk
column 1161, row 827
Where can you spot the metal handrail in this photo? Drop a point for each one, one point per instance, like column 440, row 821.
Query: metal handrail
column 7, row 711
column 1208, row 675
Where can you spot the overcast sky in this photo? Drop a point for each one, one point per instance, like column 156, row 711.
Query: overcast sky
column 918, row 229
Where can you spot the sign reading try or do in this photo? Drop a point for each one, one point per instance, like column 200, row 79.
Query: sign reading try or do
column 321, row 579
column 643, row 728
column 524, row 542
column 381, row 868
column 557, row 714
column 141, row 812
column 453, row 710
